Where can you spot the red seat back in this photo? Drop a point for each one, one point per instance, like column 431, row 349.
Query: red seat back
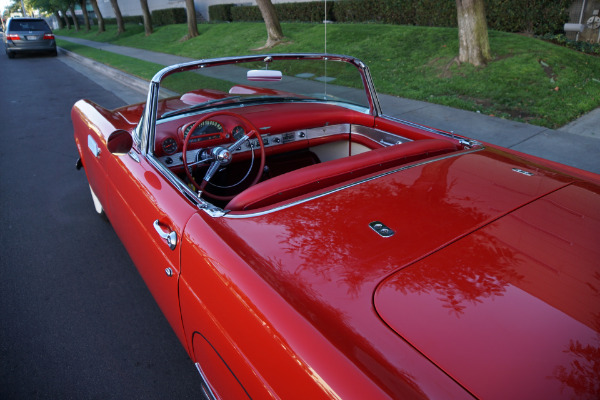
column 335, row 172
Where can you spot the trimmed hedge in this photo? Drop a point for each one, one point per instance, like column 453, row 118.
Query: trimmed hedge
column 165, row 16
column 311, row 11
column 130, row 19
column 220, row 12
column 398, row 12
column 539, row 17
column 248, row 14
column 169, row 16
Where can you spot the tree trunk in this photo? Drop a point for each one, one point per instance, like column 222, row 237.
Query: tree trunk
column 190, row 9
column 75, row 22
column 61, row 22
column 98, row 16
column 118, row 16
column 86, row 19
column 472, row 33
column 147, row 17
column 66, row 19
column 274, row 32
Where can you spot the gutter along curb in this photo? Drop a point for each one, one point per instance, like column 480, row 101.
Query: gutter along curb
column 132, row 82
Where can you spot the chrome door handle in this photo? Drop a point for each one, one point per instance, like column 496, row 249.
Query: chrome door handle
column 170, row 237
column 93, row 146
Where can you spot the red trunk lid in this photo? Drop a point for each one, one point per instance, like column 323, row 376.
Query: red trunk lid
column 512, row 310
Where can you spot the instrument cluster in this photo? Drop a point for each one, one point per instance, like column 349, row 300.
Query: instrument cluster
column 211, row 133
column 208, row 131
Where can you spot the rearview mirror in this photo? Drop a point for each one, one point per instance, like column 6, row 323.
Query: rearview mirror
column 263, row 75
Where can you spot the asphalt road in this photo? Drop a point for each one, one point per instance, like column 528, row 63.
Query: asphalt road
column 76, row 319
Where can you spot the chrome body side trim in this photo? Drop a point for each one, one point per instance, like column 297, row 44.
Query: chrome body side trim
column 468, row 143
column 206, row 388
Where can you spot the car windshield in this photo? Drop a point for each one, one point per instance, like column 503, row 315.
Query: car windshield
column 228, row 84
column 28, row 25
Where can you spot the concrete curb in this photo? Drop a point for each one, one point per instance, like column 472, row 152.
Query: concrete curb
column 132, row 82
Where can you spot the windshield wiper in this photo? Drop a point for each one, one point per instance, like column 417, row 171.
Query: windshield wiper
column 199, row 106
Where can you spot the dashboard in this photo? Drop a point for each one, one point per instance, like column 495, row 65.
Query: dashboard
column 280, row 132
column 210, row 137
column 281, row 142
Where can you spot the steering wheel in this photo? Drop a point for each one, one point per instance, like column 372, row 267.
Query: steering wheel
column 221, row 155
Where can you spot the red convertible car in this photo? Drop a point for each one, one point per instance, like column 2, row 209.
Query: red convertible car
column 304, row 245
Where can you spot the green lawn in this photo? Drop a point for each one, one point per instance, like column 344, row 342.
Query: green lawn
column 529, row 80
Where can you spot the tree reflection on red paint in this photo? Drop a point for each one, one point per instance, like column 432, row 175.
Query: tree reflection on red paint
column 486, row 273
column 583, row 373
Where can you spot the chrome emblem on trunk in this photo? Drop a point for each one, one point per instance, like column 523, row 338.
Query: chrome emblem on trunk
column 520, row 171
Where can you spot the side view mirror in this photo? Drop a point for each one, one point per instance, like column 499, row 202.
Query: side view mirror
column 119, row 142
column 263, row 75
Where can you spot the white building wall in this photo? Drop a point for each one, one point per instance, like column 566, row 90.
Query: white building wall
column 132, row 7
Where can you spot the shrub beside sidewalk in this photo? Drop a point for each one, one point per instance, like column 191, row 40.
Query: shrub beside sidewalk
column 529, row 80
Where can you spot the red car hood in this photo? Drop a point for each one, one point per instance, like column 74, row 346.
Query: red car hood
column 492, row 274
column 512, row 310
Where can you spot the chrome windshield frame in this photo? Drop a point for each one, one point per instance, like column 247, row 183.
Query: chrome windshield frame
column 147, row 125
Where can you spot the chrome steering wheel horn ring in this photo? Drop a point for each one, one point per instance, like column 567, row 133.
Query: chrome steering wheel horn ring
column 221, row 154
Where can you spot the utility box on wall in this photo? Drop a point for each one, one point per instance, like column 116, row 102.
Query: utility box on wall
column 584, row 21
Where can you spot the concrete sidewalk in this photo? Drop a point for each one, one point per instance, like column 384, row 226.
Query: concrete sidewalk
column 576, row 144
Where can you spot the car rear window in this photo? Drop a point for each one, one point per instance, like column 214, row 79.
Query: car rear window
column 29, row 25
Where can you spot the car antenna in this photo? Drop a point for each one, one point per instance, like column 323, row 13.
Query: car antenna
column 325, row 23
column 325, row 65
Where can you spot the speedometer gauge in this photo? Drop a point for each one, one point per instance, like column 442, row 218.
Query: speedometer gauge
column 169, row 146
column 205, row 128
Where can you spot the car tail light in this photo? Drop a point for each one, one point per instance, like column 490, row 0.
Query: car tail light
column 48, row 36
column 12, row 37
